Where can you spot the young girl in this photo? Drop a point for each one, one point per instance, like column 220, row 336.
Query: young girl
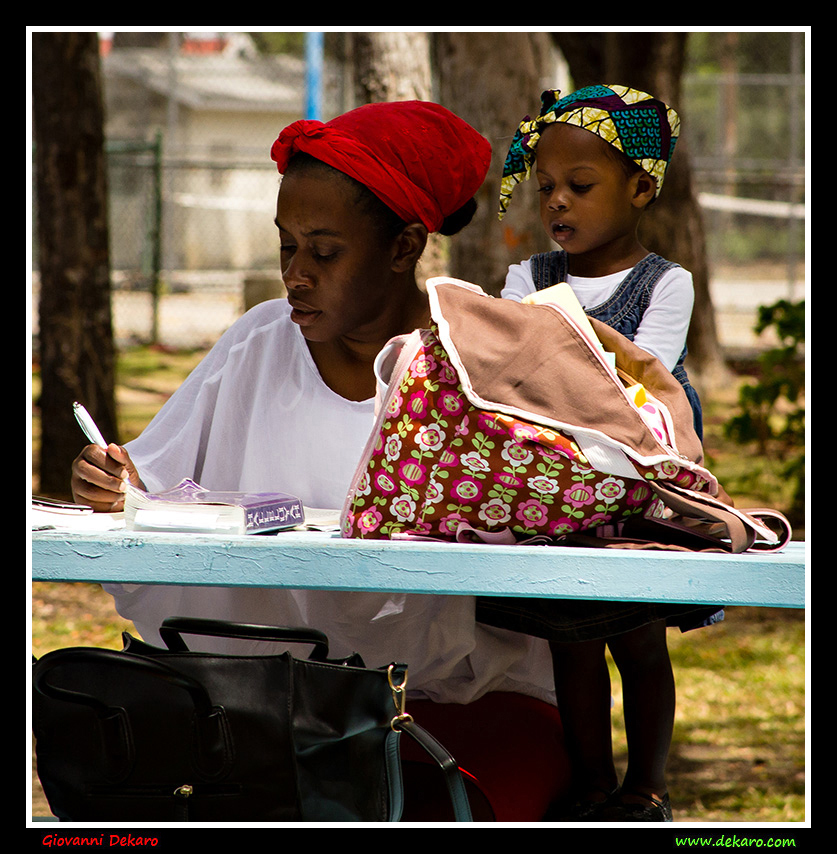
column 600, row 156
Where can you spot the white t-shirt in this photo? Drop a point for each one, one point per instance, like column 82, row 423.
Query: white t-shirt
column 665, row 324
column 256, row 415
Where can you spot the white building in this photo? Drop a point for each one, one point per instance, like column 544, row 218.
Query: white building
column 219, row 105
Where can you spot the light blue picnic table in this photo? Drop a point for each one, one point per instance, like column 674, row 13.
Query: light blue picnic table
column 320, row 560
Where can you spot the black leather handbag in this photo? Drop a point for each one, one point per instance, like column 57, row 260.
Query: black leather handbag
column 153, row 734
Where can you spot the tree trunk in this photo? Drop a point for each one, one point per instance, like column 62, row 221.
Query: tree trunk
column 493, row 95
column 397, row 67
column 76, row 338
column 673, row 227
column 391, row 67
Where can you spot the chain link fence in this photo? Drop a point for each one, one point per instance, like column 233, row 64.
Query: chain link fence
column 192, row 241
column 191, row 211
column 747, row 142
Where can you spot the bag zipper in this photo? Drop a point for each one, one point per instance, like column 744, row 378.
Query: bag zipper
column 160, row 790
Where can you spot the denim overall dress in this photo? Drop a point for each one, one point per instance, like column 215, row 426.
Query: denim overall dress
column 623, row 311
column 575, row 620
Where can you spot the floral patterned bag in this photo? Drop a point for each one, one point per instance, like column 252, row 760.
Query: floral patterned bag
column 506, row 420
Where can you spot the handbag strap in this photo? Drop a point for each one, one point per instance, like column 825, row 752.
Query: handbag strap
column 402, row 722
column 91, row 656
column 741, row 527
column 213, row 753
column 173, row 627
column 453, row 776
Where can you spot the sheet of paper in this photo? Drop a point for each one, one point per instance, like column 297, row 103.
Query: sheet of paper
column 43, row 520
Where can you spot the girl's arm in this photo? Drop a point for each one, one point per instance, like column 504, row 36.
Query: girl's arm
column 665, row 323
column 519, row 282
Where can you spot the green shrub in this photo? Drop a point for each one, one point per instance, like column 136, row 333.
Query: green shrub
column 772, row 409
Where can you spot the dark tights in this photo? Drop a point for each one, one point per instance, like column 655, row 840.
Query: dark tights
column 582, row 684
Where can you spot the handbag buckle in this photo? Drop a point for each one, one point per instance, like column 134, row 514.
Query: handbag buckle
column 399, row 698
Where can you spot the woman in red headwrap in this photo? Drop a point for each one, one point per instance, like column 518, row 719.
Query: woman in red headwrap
column 285, row 401
column 351, row 287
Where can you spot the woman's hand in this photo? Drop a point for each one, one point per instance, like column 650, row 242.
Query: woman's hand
column 100, row 476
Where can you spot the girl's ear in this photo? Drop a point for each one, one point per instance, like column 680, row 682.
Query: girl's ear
column 408, row 247
column 645, row 190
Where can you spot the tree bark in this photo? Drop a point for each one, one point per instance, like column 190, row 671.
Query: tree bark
column 492, row 80
column 397, row 67
column 391, row 67
column 673, row 227
column 76, row 337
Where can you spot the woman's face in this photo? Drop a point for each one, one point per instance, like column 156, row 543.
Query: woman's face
column 336, row 267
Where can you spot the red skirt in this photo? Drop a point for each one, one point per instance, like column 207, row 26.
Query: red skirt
column 510, row 748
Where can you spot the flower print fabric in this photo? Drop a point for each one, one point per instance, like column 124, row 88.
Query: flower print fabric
column 440, row 462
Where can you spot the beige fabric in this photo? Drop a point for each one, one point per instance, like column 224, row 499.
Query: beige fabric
column 530, row 358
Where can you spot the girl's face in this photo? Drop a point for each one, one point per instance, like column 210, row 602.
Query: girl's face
column 337, row 270
column 588, row 204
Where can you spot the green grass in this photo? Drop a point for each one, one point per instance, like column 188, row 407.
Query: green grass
column 74, row 615
column 738, row 753
column 750, row 478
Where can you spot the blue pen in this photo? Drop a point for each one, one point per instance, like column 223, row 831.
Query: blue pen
column 88, row 425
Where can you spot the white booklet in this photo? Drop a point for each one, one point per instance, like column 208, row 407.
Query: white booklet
column 190, row 507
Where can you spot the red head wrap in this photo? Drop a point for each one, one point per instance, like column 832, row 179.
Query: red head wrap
column 420, row 159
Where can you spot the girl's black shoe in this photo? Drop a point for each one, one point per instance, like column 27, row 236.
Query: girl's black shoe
column 650, row 810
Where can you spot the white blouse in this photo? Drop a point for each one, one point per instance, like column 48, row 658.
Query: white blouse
column 256, row 415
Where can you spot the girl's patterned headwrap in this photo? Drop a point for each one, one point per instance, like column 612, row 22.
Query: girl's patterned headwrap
column 640, row 126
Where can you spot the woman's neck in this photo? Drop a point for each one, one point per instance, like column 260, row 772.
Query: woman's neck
column 346, row 363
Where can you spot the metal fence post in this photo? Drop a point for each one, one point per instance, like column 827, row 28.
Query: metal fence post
column 155, row 235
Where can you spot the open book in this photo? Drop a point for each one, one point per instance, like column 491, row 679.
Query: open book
column 190, row 507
